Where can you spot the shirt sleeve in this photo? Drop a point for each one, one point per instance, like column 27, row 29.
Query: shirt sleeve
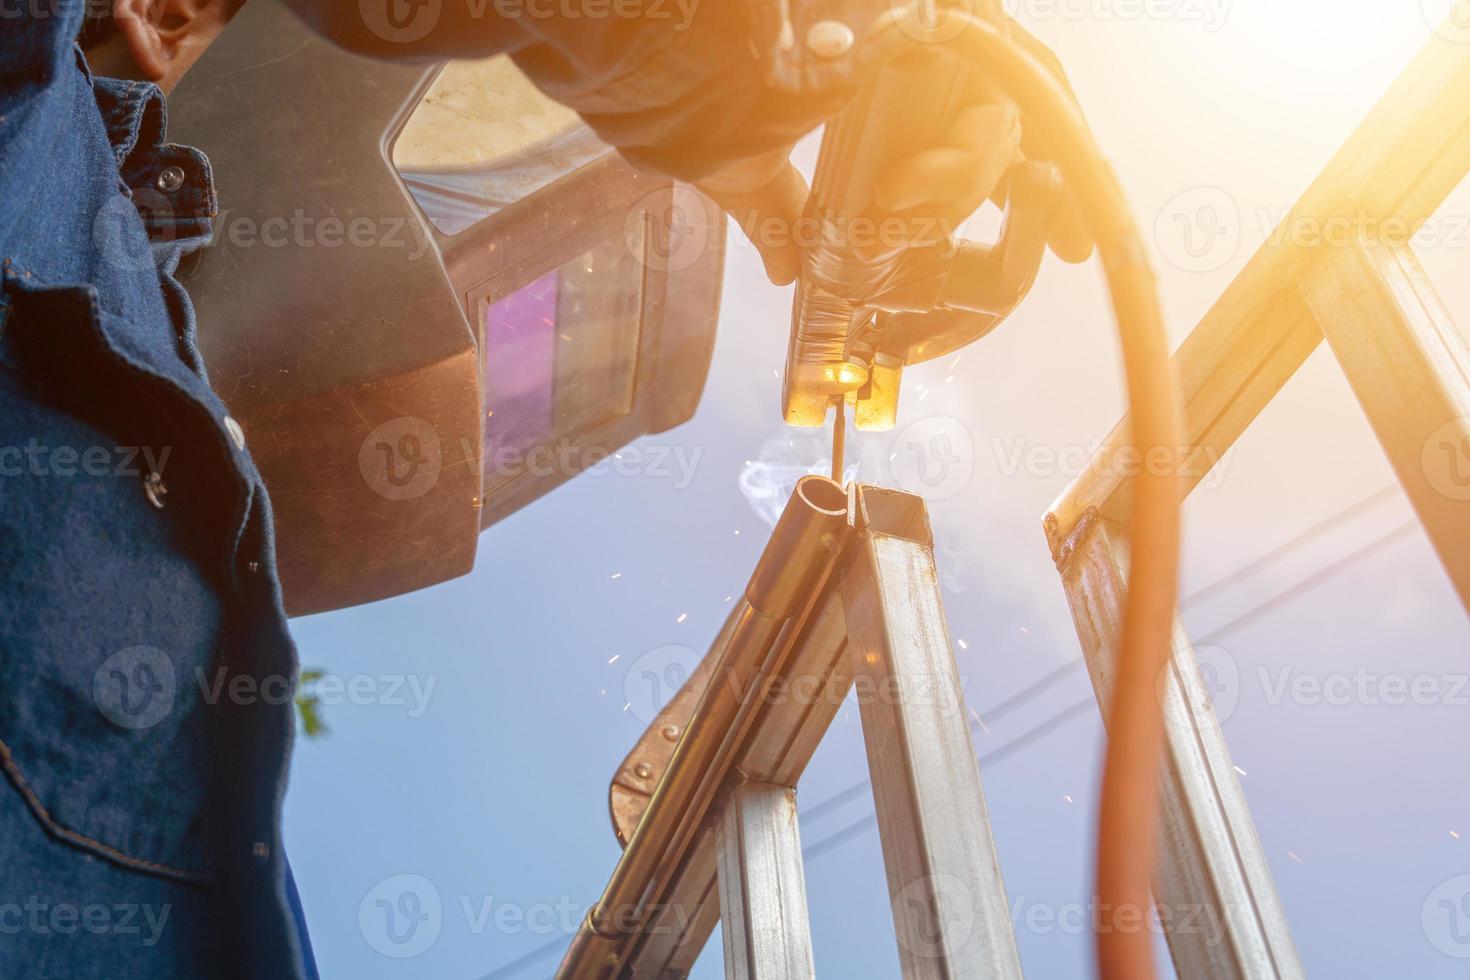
column 38, row 66
column 673, row 84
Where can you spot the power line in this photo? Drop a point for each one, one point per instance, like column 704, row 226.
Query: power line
column 999, row 711
column 813, row 851
column 539, row 953
column 1065, row 714
column 1310, row 582
column 1306, row 537
column 833, row 840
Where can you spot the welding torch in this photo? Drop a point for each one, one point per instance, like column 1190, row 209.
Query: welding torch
column 865, row 309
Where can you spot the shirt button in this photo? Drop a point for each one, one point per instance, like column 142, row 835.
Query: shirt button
column 253, row 566
column 260, row 850
column 154, row 489
column 237, row 434
column 170, row 179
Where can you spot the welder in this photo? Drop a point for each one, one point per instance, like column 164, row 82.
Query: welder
column 145, row 661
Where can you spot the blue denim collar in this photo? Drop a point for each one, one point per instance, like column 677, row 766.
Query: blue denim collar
column 173, row 209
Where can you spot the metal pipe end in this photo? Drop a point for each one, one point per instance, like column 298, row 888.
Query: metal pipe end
column 808, row 535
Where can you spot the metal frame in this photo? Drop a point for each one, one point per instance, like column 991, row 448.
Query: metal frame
column 847, row 587
column 944, row 882
column 1410, row 370
column 762, row 890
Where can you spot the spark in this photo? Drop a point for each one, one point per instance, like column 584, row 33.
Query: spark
column 1455, row 834
column 737, row 531
column 1293, row 856
column 949, row 379
column 1241, row 771
column 1025, row 630
column 963, row 645
column 627, row 705
column 1067, row 798
column 682, row 617
column 614, row 658
column 729, row 597
column 979, row 721
column 617, row 574
column 603, row 691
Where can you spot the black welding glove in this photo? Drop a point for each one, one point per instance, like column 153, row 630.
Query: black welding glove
column 677, row 88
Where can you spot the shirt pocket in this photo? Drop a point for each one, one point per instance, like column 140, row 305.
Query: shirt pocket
column 110, row 617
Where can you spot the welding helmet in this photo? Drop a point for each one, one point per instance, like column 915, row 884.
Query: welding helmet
column 432, row 296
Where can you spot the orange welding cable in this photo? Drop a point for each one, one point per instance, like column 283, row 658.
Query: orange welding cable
column 1126, row 833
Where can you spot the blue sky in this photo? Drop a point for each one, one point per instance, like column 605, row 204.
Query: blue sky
column 488, row 780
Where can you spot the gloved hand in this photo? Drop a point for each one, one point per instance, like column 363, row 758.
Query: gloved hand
column 919, row 201
column 676, row 86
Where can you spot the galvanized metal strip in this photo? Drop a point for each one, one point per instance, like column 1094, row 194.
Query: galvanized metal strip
column 762, row 889
column 1409, row 366
column 1214, row 895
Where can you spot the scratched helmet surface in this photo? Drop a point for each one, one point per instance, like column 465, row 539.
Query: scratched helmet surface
column 433, row 296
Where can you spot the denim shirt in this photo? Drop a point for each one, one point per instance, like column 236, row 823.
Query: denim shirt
column 146, row 671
